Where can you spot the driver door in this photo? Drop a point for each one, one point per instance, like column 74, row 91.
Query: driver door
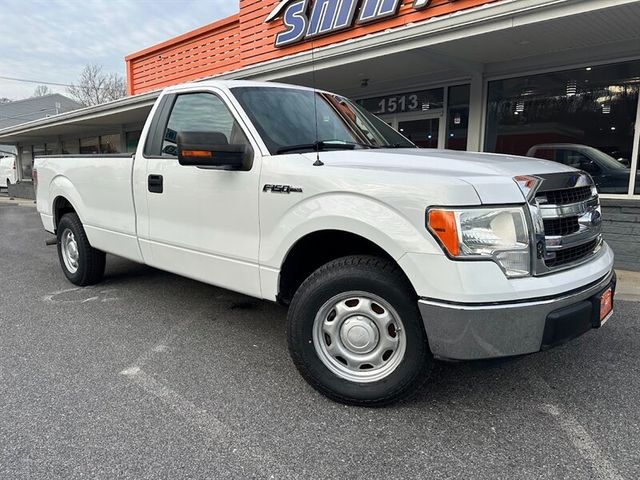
column 201, row 222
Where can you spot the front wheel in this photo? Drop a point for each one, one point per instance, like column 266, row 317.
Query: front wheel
column 355, row 332
column 82, row 264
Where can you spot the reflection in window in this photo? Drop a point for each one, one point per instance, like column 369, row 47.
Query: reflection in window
column 584, row 118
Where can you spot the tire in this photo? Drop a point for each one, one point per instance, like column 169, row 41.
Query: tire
column 82, row 264
column 362, row 295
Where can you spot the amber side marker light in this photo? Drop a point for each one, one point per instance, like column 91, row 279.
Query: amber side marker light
column 196, row 154
column 442, row 224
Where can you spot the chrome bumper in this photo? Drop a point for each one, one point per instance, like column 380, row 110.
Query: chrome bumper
column 473, row 332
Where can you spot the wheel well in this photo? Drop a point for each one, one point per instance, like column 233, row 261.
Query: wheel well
column 61, row 206
column 317, row 249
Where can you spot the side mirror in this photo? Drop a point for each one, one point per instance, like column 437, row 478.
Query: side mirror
column 589, row 166
column 211, row 150
column 625, row 161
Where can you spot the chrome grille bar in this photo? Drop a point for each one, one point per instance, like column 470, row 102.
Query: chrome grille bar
column 554, row 251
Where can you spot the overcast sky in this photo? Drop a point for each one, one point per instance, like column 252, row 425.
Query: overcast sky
column 51, row 40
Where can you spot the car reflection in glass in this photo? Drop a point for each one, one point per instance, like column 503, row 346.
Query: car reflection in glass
column 609, row 174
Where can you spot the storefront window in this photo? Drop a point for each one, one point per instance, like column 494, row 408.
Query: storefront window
column 458, row 117
column 89, row 146
column 26, row 162
column 584, row 118
column 71, row 147
column 110, row 143
column 52, row 148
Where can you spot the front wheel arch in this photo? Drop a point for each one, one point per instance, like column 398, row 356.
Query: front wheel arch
column 318, row 248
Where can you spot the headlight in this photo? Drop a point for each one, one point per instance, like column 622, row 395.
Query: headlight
column 498, row 234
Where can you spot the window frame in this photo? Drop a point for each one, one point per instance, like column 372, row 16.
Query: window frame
column 155, row 136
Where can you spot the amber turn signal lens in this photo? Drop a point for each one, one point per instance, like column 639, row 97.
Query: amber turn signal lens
column 196, row 154
column 442, row 224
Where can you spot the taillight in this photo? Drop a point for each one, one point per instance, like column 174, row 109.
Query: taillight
column 34, row 176
column 14, row 164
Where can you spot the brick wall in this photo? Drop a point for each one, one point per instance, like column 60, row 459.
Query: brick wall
column 621, row 227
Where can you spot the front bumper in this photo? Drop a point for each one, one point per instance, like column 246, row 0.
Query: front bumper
column 473, row 331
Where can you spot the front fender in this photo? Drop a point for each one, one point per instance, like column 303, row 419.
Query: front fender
column 367, row 217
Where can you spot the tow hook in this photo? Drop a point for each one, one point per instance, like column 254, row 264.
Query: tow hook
column 51, row 241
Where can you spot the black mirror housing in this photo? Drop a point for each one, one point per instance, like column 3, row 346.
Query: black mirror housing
column 211, row 150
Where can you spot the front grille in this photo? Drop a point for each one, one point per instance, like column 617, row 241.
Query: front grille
column 568, row 196
column 568, row 212
column 557, row 227
column 573, row 254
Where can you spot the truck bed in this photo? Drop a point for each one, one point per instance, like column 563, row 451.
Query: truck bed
column 100, row 188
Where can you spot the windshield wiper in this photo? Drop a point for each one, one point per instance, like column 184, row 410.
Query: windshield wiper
column 322, row 146
column 397, row 145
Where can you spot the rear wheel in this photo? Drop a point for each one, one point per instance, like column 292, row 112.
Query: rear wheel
column 355, row 332
column 81, row 263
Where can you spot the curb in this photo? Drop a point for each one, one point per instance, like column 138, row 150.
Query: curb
column 17, row 201
column 628, row 288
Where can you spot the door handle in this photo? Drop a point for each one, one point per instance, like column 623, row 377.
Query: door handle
column 155, row 183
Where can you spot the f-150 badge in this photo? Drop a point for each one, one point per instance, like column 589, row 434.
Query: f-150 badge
column 305, row 19
column 281, row 189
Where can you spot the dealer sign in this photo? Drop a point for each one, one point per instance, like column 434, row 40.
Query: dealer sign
column 306, row 19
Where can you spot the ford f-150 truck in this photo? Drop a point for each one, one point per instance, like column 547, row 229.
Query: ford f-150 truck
column 388, row 256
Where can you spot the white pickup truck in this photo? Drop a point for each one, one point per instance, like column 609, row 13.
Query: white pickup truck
column 387, row 255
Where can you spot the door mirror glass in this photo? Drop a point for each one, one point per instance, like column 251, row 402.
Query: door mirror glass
column 210, row 149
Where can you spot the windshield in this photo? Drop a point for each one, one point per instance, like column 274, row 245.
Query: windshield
column 606, row 161
column 286, row 120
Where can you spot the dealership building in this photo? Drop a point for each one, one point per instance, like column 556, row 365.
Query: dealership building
column 558, row 79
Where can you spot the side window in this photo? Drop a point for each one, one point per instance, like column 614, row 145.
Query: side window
column 575, row 159
column 545, row 154
column 201, row 112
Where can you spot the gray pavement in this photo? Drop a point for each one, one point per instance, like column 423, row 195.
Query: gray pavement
column 150, row 375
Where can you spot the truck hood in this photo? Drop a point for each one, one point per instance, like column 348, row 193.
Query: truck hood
column 490, row 174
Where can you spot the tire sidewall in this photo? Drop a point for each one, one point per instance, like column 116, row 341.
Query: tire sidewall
column 65, row 224
column 302, row 318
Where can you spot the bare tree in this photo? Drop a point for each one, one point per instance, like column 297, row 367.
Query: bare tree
column 41, row 91
column 95, row 87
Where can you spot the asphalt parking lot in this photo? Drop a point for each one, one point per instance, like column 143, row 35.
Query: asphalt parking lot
column 150, row 375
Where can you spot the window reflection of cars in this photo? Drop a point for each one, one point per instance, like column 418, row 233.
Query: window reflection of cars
column 609, row 174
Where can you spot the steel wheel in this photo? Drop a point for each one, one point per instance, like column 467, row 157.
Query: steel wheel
column 70, row 253
column 359, row 337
